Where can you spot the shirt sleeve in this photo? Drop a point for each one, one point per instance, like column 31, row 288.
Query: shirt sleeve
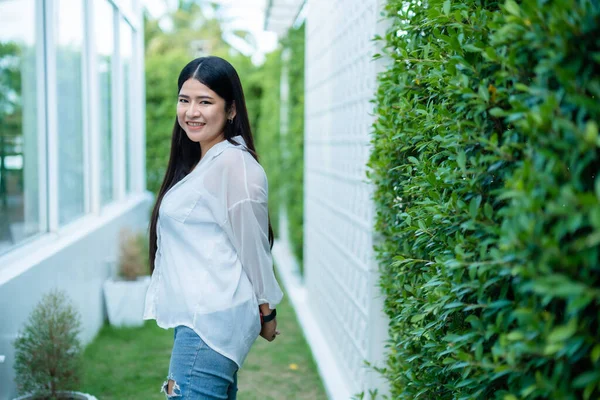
column 246, row 223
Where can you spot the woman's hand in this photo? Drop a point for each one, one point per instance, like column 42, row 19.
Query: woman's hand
column 269, row 330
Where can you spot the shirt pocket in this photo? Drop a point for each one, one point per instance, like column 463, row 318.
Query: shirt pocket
column 178, row 204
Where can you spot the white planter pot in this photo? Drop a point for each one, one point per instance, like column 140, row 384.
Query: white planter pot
column 125, row 301
column 65, row 395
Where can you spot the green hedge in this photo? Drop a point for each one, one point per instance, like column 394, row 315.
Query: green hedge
column 485, row 160
column 267, row 136
column 294, row 142
column 282, row 156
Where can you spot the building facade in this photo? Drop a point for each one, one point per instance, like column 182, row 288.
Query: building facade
column 337, row 300
column 72, row 160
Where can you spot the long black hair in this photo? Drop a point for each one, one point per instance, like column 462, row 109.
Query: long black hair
column 220, row 76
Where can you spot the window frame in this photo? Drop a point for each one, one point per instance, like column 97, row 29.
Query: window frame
column 49, row 228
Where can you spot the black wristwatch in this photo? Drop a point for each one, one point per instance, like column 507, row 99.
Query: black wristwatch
column 268, row 318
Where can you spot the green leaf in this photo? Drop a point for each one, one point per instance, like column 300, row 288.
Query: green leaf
column 461, row 160
column 497, row 112
column 591, row 132
column 454, row 304
column 417, row 318
column 512, row 7
column 528, row 390
column 478, row 351
column 474, row 206
column 595, row 355
column 557, row 285
column 488, row 211
column 587, row 393
column 553, row 348
column 586, row 378
column 521, row 87
column 515, row 336
column 491, row 53
column 446, row 7
column 472, row 49
column 474, row 321
column 563, row 332
column 484, row 93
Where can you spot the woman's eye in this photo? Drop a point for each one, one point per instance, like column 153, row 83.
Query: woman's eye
column 182, row 100
column 204, row 102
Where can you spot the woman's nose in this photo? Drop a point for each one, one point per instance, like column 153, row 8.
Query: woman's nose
column 193, row 110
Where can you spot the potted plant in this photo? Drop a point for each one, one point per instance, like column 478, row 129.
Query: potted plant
column 125, row 293
column 48, row 352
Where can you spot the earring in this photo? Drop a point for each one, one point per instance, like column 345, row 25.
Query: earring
column 230, row 120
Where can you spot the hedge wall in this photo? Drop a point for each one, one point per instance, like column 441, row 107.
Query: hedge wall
column 266, row 132
column 282, row 156
column 294, row 142
column 485, row 160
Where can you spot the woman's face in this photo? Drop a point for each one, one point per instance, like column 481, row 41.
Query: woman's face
column 201, row 113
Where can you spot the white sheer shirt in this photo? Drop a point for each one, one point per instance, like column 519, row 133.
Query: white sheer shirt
column 213, row 263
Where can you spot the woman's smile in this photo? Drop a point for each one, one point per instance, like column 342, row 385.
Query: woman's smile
column 202, row 114
column 195, row 126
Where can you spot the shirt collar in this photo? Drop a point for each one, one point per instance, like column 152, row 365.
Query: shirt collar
column 219, row 147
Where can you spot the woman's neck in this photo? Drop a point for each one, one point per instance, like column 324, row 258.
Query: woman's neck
column 206, row 146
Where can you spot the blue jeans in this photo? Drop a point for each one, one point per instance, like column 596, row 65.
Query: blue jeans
column 198, row 371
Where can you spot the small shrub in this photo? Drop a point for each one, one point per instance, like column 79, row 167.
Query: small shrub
column 133, row 261
column 48, row 350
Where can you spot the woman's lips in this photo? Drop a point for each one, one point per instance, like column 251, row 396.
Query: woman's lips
column 195, row 125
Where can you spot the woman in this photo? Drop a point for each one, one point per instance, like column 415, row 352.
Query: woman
column 211, row 239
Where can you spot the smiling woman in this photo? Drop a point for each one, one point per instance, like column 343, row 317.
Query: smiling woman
column 210, row 224
column 202, row 114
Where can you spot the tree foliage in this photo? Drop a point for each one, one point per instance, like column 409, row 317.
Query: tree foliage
column 48, row 350
column 486, row 157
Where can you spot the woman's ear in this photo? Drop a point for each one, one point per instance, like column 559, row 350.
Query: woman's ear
column 232, row 111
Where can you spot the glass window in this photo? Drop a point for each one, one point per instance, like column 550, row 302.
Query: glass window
column 126, row 39
column 127, row 6
column 20, row 175
column 70, row 34
column 104, row 34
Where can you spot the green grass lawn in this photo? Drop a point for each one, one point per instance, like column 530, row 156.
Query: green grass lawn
column 132, row 363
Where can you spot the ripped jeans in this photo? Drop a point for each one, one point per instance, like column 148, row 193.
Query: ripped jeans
column 197, row 371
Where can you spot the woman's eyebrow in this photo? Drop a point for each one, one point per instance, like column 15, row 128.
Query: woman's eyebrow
column 185, row 96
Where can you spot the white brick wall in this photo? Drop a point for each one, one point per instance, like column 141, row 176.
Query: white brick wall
column 340, row 270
